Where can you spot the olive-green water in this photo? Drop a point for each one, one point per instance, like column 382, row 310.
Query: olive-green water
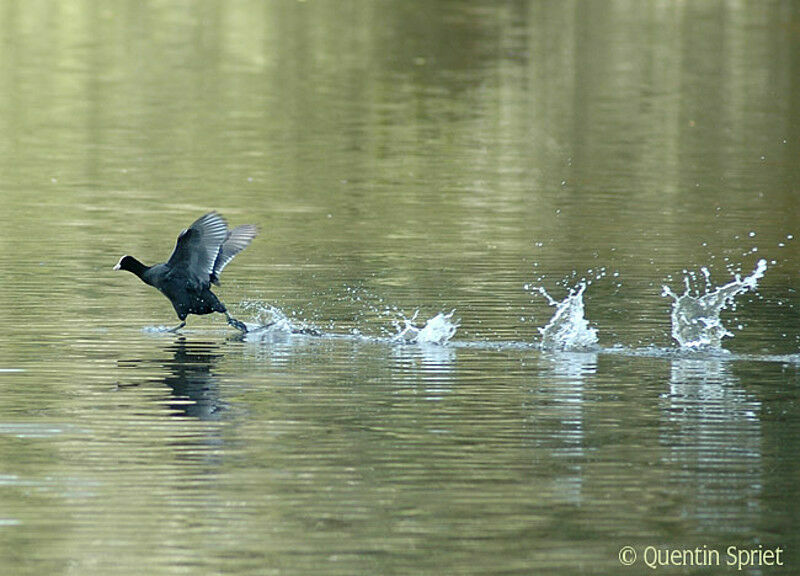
column 397, row 156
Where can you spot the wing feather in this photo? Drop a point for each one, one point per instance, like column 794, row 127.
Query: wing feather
column 237, row 240
column 198, row 248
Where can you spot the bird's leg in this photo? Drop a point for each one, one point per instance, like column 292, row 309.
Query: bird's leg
column 238, row 324
column 178, row 327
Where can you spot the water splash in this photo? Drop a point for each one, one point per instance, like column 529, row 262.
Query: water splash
column 271, row 323
column 568, row 329
column 437, row 330
column 695, row 319
column 267, row 319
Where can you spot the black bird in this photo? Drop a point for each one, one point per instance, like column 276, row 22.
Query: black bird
column 202, row 251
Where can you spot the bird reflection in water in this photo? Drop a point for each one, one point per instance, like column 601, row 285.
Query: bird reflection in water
column 195, row 389
column 189, row 366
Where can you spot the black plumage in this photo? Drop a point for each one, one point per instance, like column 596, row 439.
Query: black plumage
column 201, row 253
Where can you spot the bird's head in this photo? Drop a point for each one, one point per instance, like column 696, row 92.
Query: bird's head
column 130, row 264
column 121, row 265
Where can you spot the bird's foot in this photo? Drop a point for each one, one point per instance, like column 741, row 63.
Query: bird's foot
column 238, row 324
column 307, row 331
column 176, row 328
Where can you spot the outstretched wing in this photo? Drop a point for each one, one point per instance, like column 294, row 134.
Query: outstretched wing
column 198, row 247
column 237, row 240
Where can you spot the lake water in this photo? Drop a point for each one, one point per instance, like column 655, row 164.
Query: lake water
column 399, row 157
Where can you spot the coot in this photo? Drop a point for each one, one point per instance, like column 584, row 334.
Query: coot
column 200, row 255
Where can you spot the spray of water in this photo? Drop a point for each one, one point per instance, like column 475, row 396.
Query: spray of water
column 695, row 319
column 271, row 319
column 437, row 330
column 268, row 322
column 568, row 329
